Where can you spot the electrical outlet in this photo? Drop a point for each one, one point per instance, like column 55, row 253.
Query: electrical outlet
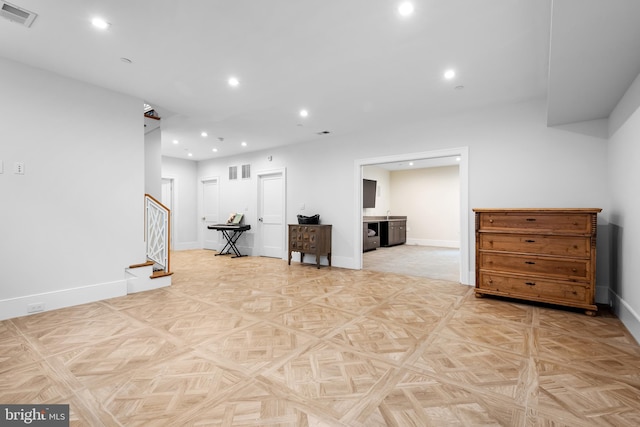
column 18, row 168
column 36, row 307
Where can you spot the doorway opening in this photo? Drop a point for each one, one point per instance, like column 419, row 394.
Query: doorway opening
column 424, row 253
column 168, row 199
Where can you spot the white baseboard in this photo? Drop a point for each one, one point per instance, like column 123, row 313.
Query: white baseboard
column 17, row 307
column 627, row 315
column 186, row 246
column 437, row 243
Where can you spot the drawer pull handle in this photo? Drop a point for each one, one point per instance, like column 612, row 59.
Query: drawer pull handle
column 574, row 270
column 530, row 283
column 529, row 262
column 491, row 221
column 530, row 241
column 531, row 219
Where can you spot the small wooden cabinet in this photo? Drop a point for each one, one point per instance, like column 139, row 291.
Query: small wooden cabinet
column 545, row 255
column 310, row 239
column 370, row 239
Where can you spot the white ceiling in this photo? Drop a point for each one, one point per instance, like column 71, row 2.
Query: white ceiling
column 352, row 64
column 433, row 162
column 594, row 57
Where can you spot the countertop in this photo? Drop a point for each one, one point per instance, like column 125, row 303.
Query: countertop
column 382, row 218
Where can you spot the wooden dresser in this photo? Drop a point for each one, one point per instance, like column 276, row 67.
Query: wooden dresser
column 545, row 255
column 310, row 239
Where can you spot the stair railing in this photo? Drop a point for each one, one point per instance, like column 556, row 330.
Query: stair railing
column 157, row 225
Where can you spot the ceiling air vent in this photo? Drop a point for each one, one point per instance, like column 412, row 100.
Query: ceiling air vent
column 16, row 14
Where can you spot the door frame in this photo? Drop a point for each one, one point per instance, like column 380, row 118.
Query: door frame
column 259, row 175
column 173, row 239
column 463, row 153
column 201, row 182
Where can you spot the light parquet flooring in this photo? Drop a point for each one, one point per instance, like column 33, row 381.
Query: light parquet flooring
column 254, row 342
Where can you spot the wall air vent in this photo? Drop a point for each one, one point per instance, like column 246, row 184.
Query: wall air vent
column 233, row 172
column 16, row 14
column 246, row 171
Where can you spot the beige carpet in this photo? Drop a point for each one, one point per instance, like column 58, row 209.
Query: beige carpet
column 422, row 261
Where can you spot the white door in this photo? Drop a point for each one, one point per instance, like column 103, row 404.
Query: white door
column 167, row 200
column 210, row 213
column 271, row 217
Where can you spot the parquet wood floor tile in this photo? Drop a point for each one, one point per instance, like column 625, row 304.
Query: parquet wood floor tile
column 255, row 342
column 315, row 319
column 14, row 348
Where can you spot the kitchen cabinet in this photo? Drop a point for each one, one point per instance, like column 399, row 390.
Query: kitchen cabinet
column 387, row 231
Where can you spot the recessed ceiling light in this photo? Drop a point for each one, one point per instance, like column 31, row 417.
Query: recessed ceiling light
column 304, row 113
column 204, row 134
column 457, row 159
column 100, row 23
column 244, row 144
column 233, row 81
column 410, row 163
column 175, row 141
column 215, row 150
column 449, row 74
column 190, row 154
column 405, row 8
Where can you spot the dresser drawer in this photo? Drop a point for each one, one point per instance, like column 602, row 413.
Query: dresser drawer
column 304, row 228
column 579, row 247
column 304, row 236
column 303, row 246
column 564, row 268
column 536, row 222
column 533, row 287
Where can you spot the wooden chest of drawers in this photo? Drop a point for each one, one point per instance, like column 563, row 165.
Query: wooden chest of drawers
column 310, row 239
column 546, row 255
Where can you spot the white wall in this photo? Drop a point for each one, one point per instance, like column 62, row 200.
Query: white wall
column 383, row 190
column 515, row 160
column 74, row 221
column 185, row 213
column 153, row 163
column 430, row 198
column 624, row 211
